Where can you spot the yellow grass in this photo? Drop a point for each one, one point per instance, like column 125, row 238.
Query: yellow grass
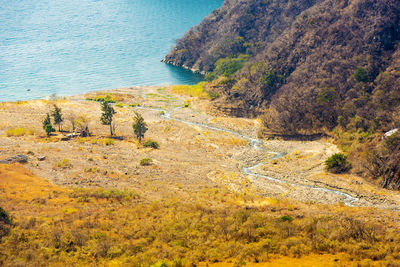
column 19, row 131
column 58, row 226
column 196, row 90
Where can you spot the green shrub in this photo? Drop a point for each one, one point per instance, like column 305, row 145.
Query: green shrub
column 151, row 143
column 361, row 75
column 186, row 104
column 5, row 223
column 146, row 162
column 286, row 218
column 212, row 95
column 337, row 163
column 210, row 76
column 4, row 217
column 107, row 98
column 228, row 66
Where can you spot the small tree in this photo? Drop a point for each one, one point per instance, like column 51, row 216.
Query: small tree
column 107, row 116
column 72, row 119
column 139, row 126
column 49, row 129
column 82, row 125
column 46, row 121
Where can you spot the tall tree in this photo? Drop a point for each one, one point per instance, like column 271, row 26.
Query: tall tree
column 107, row 116
column 57, row 117
column 139, row 126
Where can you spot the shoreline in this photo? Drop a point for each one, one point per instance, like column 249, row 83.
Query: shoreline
column 83, row 93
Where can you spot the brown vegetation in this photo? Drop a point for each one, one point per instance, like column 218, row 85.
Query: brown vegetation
column 312, row 67
column 54, row 225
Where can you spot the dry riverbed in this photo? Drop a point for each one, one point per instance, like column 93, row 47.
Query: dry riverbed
column 191, row 158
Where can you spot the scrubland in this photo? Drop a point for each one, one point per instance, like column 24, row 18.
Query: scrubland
column 91, row 202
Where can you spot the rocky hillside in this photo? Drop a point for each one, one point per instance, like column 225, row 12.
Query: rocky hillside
column 307, row 66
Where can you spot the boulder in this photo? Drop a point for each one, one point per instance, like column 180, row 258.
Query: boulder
column 391, row 132
column 14, row 159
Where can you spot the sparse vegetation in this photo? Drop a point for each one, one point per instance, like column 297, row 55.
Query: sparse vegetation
column 226, row 232
column 179, row 219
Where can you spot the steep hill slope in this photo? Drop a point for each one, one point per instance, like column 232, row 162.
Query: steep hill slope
column 309, row 66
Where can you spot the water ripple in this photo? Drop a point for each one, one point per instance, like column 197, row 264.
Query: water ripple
column 72, row 46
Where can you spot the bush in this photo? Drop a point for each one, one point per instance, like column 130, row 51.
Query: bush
column 361, row 75
column 5, row 224
column 337, row 163
column 146, row 162
column 4, row 217
column 65, row 164
column 151, row 143
column 286, row 218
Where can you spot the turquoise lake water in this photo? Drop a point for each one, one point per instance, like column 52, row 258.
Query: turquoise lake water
column 68, row 47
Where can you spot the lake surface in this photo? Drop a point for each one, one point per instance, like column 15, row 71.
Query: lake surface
column 68, row 47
